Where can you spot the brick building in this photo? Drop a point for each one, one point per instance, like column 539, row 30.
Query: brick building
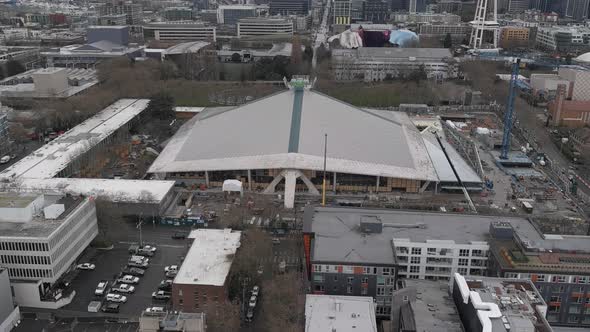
column 514, row 37
column 201, row 282
column 567, row 112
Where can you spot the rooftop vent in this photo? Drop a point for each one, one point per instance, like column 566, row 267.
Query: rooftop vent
column 371, row 225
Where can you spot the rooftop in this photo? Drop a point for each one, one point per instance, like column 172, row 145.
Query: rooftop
column 51, row 158
column 39, row 226
column 339, row 313
column 385, row 144
column 210, row 257
column 16, row 200
column 338, row 237
column 188, row 47
column 510, row 304
column 433, row 310
column 396, row 54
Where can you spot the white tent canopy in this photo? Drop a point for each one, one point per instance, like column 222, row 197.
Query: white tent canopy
column 232, row 185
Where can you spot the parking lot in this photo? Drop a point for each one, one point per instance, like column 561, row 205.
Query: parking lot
column 110, row 262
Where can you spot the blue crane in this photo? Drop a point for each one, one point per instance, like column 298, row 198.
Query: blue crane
column 509, row 114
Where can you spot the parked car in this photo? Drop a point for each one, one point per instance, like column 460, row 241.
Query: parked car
column 101, row 288
column 276, row 240
column 161, row 295
column 85, row 266
column 171, row 268
column 134, row 271
column 138, row 264
column 252, row 302
column 123, row 288
column 133, row 249
column 128, row 279
column 250, row 315
column 165, row 285
column 111, row 307
column 171, row 273
column 5, row 159
column 179, row 235
column 255, row 291
column 154, row 310
column 149, row 248
column 112, row 297
column 145, row 252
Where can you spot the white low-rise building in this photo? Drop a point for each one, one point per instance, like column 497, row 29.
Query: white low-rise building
column 40, row 238
column 264, row 27
column 339, row 313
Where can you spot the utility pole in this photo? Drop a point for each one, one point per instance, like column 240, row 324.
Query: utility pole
column 139, row 227
column 324, row 182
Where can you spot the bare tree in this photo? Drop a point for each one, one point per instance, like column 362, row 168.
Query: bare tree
column 283, row 306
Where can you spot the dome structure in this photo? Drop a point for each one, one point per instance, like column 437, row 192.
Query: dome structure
column 404, row 38
column 583, row 58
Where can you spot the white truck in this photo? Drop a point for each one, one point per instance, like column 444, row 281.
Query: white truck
column 94, row 306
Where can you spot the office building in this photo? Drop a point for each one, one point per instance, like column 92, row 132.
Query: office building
column 339, row 313
column 89, row 55
column 264, row 26
column 341, row 12
column 118, row 35
column 231, row 14
column 441, row 30
column 577, row 9
column 376, row 11
column 179, row 32
column 178, row 14
column 499, row 305
column 132, row 11
column 113, row 19
column 514, row 37
column 562, row 38
column 558, row 265
column 9, row 312
column 201, row 282
column 517, row 6
column 371, row 64
column 5, row 143
column 42, row 236
column 289, row 7
column 443, row 18
column 416, row 6
column 48, row 82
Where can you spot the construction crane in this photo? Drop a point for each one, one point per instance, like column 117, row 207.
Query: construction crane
column 509, row 114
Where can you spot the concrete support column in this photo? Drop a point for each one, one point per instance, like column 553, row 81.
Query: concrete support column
column 290, row 183
column 378, row 182
column 424, row 186
column 334, row 182
column 310, row 186
column 250, row 180
column 207, row 178
column 271, row 187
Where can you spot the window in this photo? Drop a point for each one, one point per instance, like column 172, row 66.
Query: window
column 414, row 269
column 319, row 288
column 558, row 279
column 364, row 291
column 317, row 268
column 365, row 280
column 380, row 291
column 554, row 308
column 432, row 251
column 510, row 275
column 588, row 300
column 349, row 289
column 463, row 261
column 558, row 289
column 477, row 252
column 350, row 280
column 416, row 251
column 386, row 271
column 541, row 278
column 380, row 281
column 402, row 250
column 574, row 309
column 555, row 298
column 464, row 252
column 414, row 260
column 405, row 298
column 335, row 278
column 318, row 278
column 572, row 319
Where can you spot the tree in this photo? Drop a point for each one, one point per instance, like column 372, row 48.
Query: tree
column 448, row 43
column 161, row 105
column 568, row 59
column 14, row 67
column 283, row 305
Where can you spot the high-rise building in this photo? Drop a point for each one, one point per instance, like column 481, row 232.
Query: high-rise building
column 517, row 6
column 289, row 7
column 375, row 11
column 416, row 6
column 399, row 5
column 577, row 9
column 231, row 14
column 342, row 11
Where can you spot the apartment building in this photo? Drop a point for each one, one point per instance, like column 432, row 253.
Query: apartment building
column 289, row 7
column 426, row 18
column 42, row 235
column 558, row 265
column 562, row 39
column 378, row 63
column 179, row 31
column 264, row 27
column 455, row 30
column 133, row 12
column 514, row 37
column 201, row 283
column 231, row 14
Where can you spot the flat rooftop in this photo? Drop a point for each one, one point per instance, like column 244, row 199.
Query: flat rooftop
column 121, row 191
column 518, row 301
column 51, row 158
column 339, row 313
column 209, row 259
column 40, row 227
column 433, row 310
column 338, row 237
column 16, row 200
